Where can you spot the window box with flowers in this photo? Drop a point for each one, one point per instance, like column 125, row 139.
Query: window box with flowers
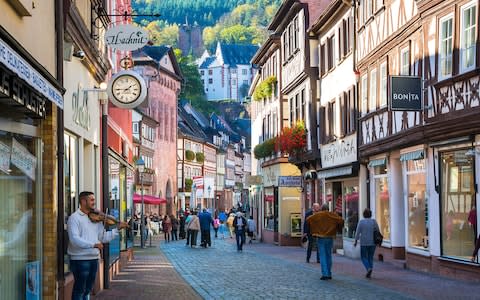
column 292, row 140
column 200, row 157
column 264, row 149
column 189, row 155
column 265, row 88
column 188, row 184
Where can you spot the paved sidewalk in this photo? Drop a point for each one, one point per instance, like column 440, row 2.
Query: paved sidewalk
column 149, row 276
column 264, row 271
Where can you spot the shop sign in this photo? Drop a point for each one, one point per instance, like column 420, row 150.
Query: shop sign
column 4, row 158
column 25, row 71
column 126, row 37
column 340, row 152
column 290, row 181
column 81, row 114
column 406, row 93
column 21, row 94
column 23, row 160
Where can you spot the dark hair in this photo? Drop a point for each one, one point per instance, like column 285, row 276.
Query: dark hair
column 84, row 195
column 367, row 213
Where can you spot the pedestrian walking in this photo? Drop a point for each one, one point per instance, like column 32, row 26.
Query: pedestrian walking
column 206, row 221
column 216, row 226
column 240, row 224
column 251, row 229
column 174, row 227
column 194, row 228
column 230, row 219
column 364, row 232
column 306, row 232
column 324, row 225
column 181, row 228
column 86, row 240
column 187, row 222
column 167, row 228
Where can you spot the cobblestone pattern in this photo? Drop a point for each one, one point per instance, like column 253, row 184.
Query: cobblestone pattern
column 149, row 276
column 220, row 272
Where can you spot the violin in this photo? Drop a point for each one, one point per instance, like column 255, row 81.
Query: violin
column 97, row 216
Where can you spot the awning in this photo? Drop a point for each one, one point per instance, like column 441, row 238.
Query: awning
column 148, row 199
column 415, row 155
column 335, row 172
column 377, row 162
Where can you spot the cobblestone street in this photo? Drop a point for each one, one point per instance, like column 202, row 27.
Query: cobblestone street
column 263, row 271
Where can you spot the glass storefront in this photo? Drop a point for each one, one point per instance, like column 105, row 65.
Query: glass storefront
column 20, row 216
column 269, row 213
column 457, row 203
column 350, row 208
column 70, row 177
column 115, row 173
column 416, row 203
column 382, row 200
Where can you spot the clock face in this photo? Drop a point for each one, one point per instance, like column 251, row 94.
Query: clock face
column 126, row 88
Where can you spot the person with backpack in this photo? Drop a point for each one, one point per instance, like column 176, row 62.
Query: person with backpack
column 216, row 225
column 366, row 229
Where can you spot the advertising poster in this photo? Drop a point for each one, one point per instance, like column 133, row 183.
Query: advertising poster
column 4, row 157
column 33, row 280
column 23, row 159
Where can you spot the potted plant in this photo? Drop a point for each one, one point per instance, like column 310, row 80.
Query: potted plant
column 189, row 155
column 200, row 157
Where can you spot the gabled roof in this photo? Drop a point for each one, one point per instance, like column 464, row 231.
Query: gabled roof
column 189, row 127
column 154, row 54
column 207, row 62
column 198, row 116
column 237, row 54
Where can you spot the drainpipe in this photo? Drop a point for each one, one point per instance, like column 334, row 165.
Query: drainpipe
column 59, row 27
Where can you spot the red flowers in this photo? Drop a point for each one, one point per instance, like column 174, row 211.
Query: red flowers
column 292, row 140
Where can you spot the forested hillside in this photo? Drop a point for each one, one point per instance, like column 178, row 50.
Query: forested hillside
column 203, row 12
column 230, row 21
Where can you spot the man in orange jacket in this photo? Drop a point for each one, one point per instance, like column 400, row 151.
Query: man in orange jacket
column 324, row 225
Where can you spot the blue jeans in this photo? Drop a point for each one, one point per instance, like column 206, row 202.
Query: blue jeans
column 366, row 254
column 309, row 248
column 240, row 236
column 84, row 273
column 325, row 246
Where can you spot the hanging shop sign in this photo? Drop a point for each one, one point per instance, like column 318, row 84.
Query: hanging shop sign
column 126, row 37
column 405, row 93
column 32, row 83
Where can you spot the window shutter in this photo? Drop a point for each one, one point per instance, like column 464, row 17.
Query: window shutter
column 323, row 125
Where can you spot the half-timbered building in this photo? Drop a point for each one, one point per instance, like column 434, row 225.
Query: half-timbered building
column 389, row 42
column 421, row 157
column 452, row 130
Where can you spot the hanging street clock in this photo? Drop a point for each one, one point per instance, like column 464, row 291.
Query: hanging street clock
column 127, row 89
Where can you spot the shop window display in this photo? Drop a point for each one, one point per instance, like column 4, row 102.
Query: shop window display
column 382, row 200
column 417, row 204
column 350, row 192
column 20, row 216
column 70, row 179
column 457, row 204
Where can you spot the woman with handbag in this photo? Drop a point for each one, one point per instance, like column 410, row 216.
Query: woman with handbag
column 365, row 232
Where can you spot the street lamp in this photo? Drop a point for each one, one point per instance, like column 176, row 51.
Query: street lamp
column 141, row 168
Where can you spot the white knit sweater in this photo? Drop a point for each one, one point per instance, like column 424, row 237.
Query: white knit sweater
column 83, row 234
